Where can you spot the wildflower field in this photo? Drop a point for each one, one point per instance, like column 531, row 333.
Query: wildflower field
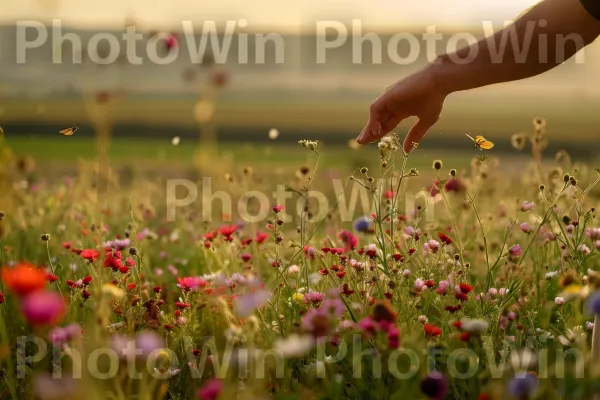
column 471, row 277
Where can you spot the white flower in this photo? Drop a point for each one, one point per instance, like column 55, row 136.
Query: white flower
column 293, row 269
column 551, row 274
column 559, row 301
column 175, row 141
column 523, row 359
column 273, row 134
column 474, row 326
column 294, row 345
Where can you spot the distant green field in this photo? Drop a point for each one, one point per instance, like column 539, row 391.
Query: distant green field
column 65, row 151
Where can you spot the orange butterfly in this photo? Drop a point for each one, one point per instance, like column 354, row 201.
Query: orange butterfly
column 69, row 131
column 481, row 143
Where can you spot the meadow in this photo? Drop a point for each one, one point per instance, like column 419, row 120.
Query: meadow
column 375, row 274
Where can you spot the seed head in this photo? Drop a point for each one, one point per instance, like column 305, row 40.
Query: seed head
column 452, row 172
column 45, row 237
column 2, row 215
column 542, row 187
column 133, row 251
column 566, row 178
column 364, row 170
column 437, row 165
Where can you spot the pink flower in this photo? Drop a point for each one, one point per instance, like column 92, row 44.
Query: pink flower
column 393, row 336
column 43, row 308
column 526, row 228
column 278, row 209
column 433, row 189
column 570, row 228
column 191, row 283
column 593, row 233
column 415, row 233
column 350, row 240
column 246, row 304
column 368, row 325
column 246, row 257
column 442, row 287
column 315, row 298
column 453, row 185
column 527, row 206
column 211, row 390
column 584, row 249
column 597, row 244
column 419, row 284
column 515, row 251
column 431, row 246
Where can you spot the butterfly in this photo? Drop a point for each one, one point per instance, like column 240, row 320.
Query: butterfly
column 481, row 143
column 69, row 131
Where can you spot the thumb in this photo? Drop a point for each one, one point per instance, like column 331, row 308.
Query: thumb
column 416, row 133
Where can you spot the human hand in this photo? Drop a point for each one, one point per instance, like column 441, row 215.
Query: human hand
column 419, row 95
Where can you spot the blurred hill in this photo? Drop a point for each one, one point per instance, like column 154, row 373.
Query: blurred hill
column 299, row 96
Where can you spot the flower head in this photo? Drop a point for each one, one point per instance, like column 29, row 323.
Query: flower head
column 211, row 390
column 593, row 302
column 522, row 385
column 24, row 279
column 43, row 308
column 515, row 251
column 434, row 386
column 362, row 224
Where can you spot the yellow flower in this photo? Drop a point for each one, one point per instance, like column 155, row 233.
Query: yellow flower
column 299, row 298
column 112, row 290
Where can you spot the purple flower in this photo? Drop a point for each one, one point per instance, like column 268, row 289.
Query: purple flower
column 246, row 304
column 148, row 342
column 515, row 251
column 211, row 390
column 315, row 298
column 434, row 386
column 526, row 206
column 118, row 244
column 47, row 387
column 362, row 224
column 593, row 302
column 522, row 385
column 334, row 307
column 60, row 335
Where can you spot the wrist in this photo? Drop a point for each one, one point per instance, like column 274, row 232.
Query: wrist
column 440, row 73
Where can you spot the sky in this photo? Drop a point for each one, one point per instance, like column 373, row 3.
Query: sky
column 280, row 14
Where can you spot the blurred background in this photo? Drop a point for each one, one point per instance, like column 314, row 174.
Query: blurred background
column 254, row 111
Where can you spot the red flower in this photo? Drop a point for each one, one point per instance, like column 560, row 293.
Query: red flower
column 123, row 269
column 87, row 280
column 90, row 254
column 341, row 274
column 227, row 231
column 346, row 290
column 66, row 245
column 461, row 296
column 278, row 209
column 453, row 309
column 465, row 336
column 85, row 294
column 246, row 257
column 430, row 283
column 350, row 240
column 261, row 237
column 457, row 324
column 389, row 194
column 323, row 272
column 432, row 330
column 51, row 278
column 181, row 305
column 465, row 288
column 168, row 327
column 157, row 289
column 1, row 297
column 131, row 286
column 444, row 238
column 398, row 257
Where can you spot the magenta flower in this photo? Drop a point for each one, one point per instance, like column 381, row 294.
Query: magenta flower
column 442, row 287
column 246, row 257
column 60, row 335
column 43, row 308
column 368, row 325
column 515, row 251
column 211, row 390
column 350, row 240
column 148, row 342
column 419, row 284
column 393, row 336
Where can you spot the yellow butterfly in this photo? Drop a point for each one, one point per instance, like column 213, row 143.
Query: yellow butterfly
column 69, row 131
column 481, row 143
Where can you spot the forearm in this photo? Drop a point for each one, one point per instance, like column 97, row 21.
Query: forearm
column 544, row 37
